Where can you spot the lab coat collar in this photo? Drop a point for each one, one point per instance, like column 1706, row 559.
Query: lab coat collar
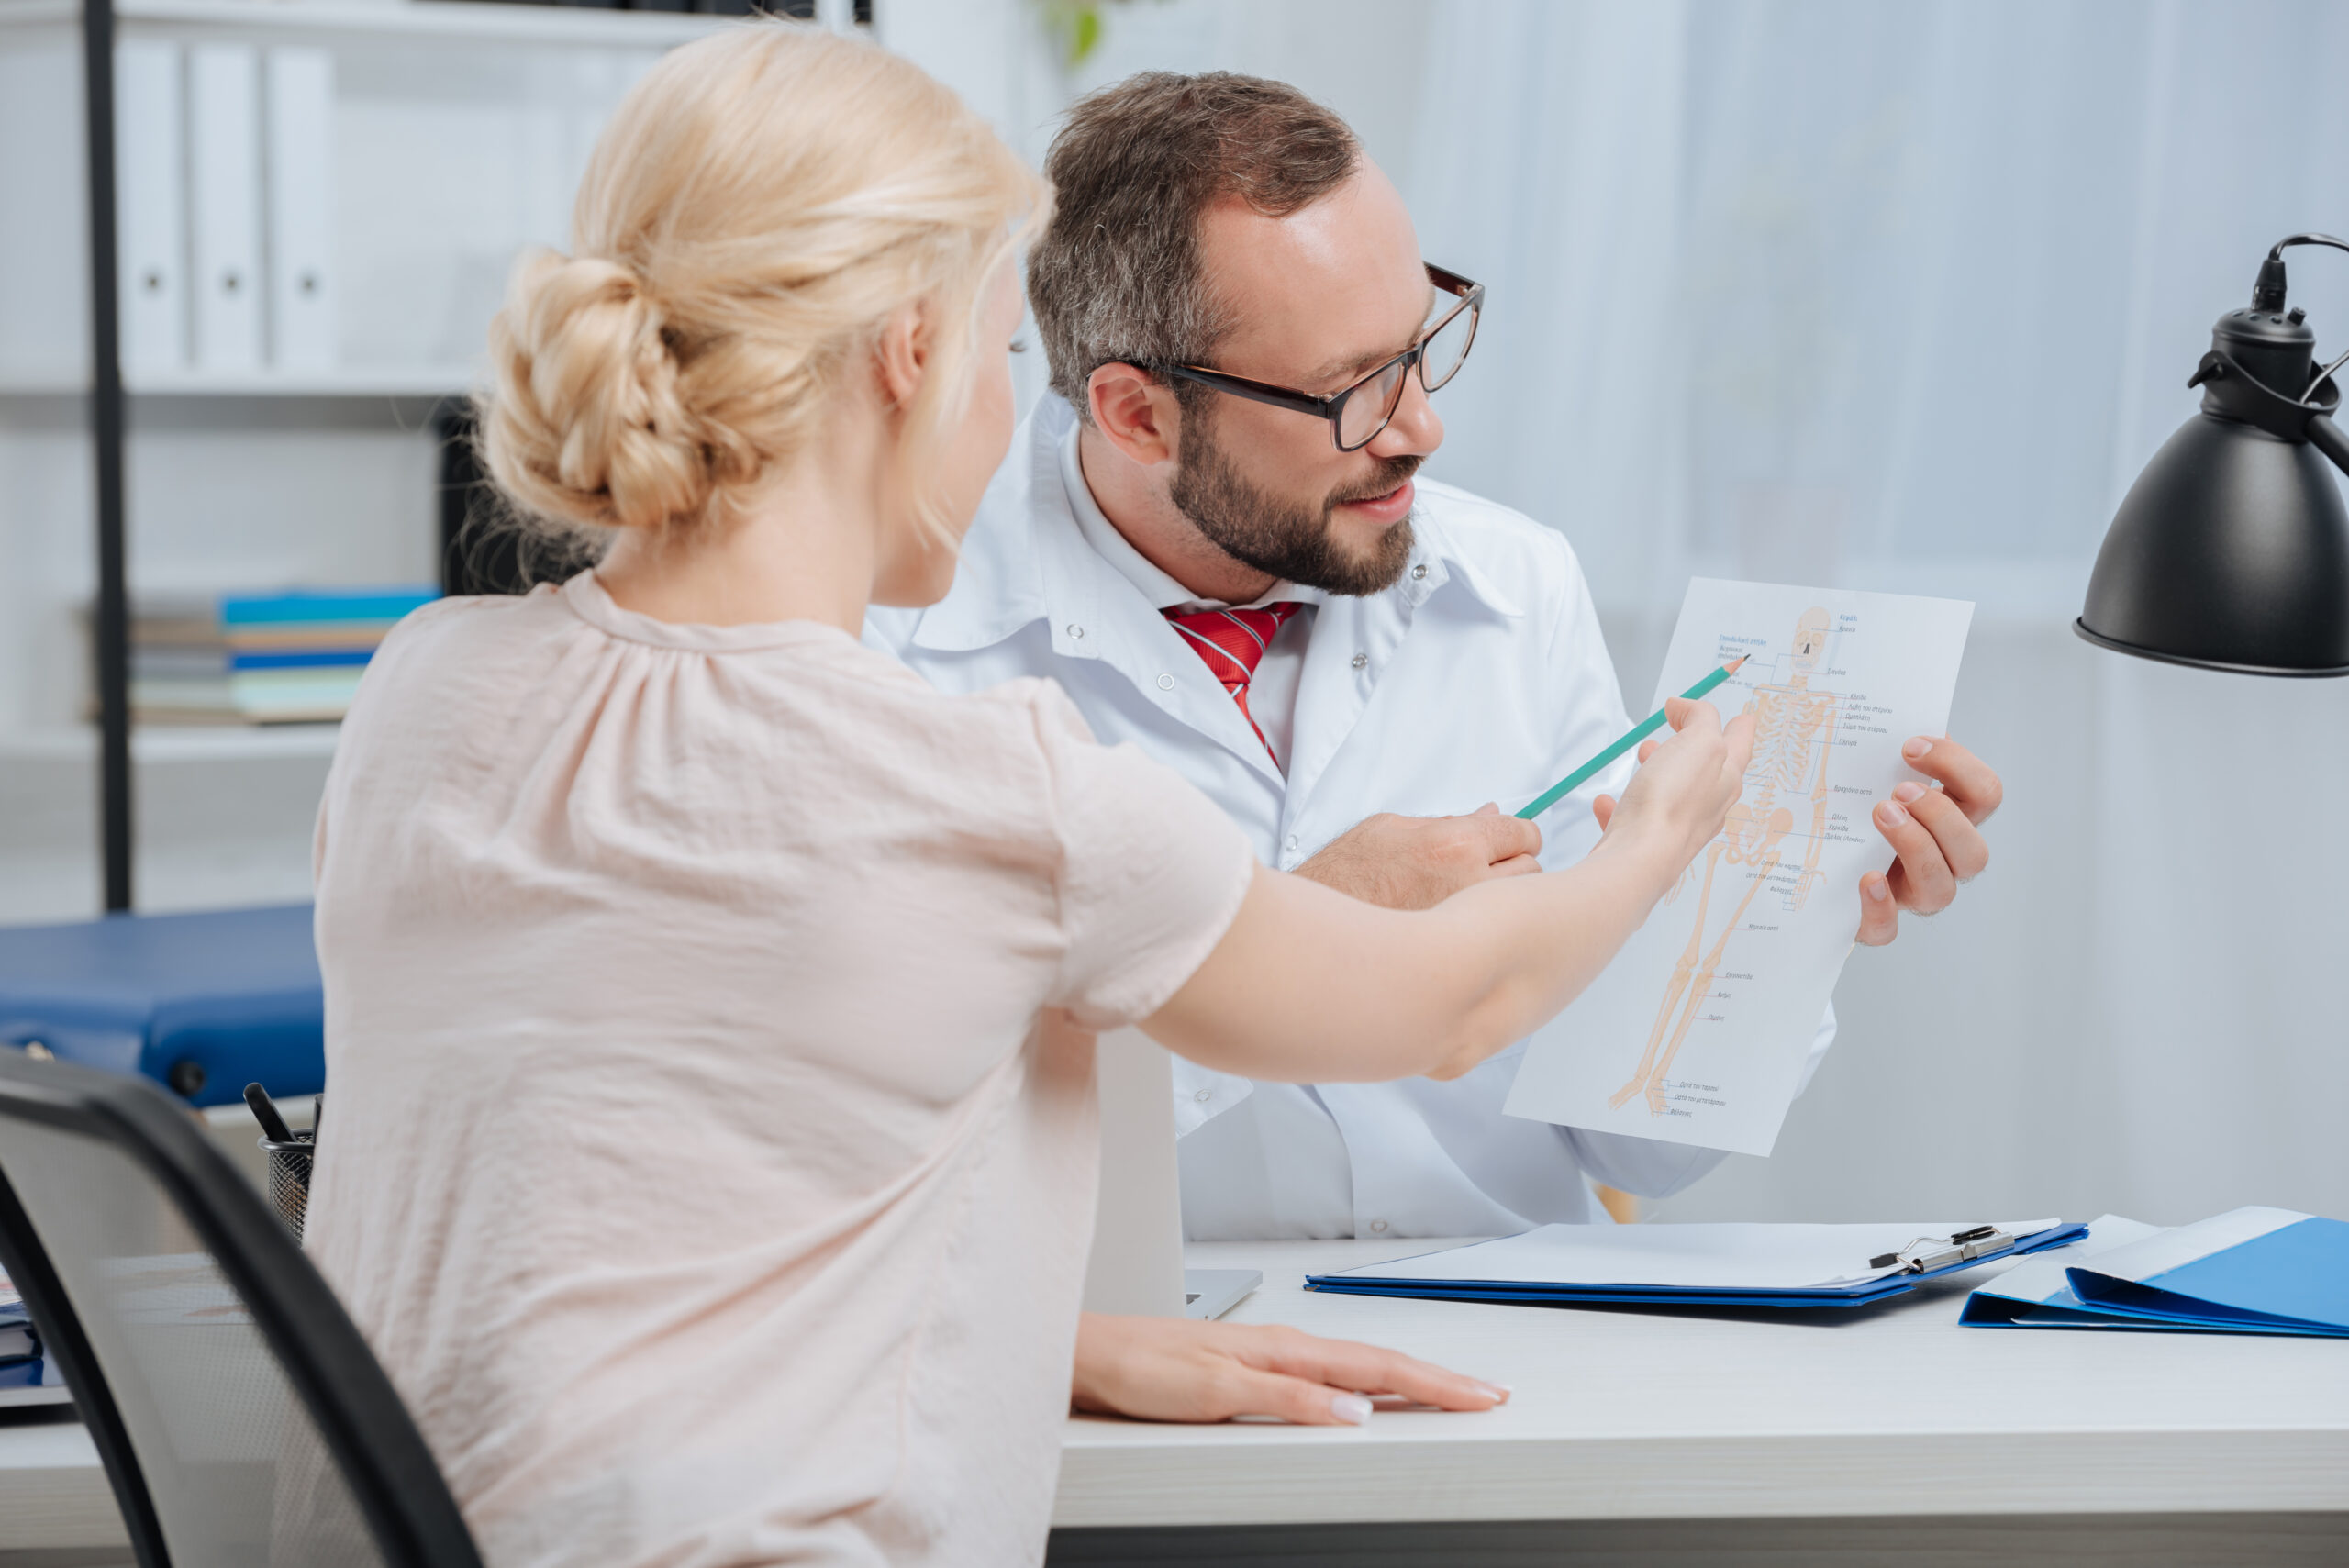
column 1438, row 545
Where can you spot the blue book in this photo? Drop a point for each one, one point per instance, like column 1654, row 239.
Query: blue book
column 2269, row 1269
column 321, row 606
column 307, row 659
column 2253, row 1271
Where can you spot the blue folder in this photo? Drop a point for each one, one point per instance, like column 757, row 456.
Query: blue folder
column 1452, row 1276
column 2251, row 1271
column 204, row 1004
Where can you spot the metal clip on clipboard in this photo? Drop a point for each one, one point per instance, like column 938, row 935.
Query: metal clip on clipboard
column 1930, row 1252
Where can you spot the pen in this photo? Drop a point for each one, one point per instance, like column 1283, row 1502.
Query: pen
column 1640, row 731
column 272, row 1125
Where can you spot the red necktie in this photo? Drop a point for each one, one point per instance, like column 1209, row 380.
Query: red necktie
column 1233, row 642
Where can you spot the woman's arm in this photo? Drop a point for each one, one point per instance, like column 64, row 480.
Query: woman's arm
column 1309, row 986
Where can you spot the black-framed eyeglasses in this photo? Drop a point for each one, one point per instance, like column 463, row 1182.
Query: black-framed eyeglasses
column 1357, row 413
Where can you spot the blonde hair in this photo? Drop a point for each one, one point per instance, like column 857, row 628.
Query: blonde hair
column 760, row 204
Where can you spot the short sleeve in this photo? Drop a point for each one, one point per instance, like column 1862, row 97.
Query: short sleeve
column 1152, row 873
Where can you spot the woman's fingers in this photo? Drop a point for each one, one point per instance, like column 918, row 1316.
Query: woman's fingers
column 1249, row 1391
column 1172, row 1370
column 1737, row 735
column 1344, row 1364
column 1682, row 712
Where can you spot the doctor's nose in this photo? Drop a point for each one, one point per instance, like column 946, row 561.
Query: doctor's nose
column 1415, row 431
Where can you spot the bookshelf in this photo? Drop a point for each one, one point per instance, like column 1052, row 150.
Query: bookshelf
column 458, row 130
column 390, row 381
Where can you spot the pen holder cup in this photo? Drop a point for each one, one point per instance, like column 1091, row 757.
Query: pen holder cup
column 289, row 1178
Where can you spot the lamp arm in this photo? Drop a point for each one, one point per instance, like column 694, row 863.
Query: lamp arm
column 2267, row 293
column 2330, row 440
column 2275, row 252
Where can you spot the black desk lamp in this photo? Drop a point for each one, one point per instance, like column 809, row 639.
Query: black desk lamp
column 2231, row 549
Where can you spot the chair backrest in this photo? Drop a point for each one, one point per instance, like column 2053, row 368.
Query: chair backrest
column 240, row 1416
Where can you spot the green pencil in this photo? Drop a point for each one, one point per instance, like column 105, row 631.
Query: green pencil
column 1640, row 731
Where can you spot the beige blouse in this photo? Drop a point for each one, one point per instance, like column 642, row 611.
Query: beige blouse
column 710, row 1143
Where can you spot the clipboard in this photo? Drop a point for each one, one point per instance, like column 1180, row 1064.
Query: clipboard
column 1791, row 1266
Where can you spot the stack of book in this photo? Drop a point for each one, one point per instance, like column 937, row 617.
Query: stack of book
column 291, row 657
column 26, row 1376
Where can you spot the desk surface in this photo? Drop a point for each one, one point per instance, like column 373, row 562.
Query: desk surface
column 1625, row 1414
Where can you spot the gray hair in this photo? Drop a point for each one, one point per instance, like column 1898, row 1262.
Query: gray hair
column 1116, row 276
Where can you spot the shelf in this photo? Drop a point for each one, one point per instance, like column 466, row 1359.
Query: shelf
column 153, row 743
column 458, row 19
column 423, row 381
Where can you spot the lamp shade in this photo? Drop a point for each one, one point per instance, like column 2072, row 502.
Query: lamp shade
column 2231, row 552
column 2231, row 549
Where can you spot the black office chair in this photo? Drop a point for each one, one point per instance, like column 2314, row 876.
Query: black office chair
column 241, row 1418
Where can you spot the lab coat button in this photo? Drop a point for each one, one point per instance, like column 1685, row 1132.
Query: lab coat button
column 1419, row 573
column 1165, row 681
column 1378, row 1228
column 1203, row 1096
column 1076, row 630
column 1362, row 660
column 1289, row 843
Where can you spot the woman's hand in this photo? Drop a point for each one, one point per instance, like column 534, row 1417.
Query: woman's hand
column 1171, row 1369
column 1682, row 793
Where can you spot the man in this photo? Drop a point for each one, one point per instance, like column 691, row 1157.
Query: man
column 1213, row 538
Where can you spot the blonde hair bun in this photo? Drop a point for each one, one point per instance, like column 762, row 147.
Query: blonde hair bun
column 761, row 202
column 588, row 417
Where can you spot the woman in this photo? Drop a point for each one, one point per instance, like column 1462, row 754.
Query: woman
column 710, row 1003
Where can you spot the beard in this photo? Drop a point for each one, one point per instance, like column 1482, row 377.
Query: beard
column 1294, row 541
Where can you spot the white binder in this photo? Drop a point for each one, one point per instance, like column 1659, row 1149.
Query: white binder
column 148, row 211
column 224, row 201
column 298, row 100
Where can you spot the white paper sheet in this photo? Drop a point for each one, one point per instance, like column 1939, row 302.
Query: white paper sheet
column 1718, row 1256
column 1697, row 1032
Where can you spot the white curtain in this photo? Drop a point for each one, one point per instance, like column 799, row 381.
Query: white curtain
column 1902, row 296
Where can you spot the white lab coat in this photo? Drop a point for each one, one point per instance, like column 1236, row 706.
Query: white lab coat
column 1480, row 675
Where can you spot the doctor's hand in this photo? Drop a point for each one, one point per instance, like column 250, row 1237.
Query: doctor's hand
column 1935, row 832
column 1417, row 863
column 1171, row 1369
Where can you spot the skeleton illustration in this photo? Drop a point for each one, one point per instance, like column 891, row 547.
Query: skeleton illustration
column 1793, row 735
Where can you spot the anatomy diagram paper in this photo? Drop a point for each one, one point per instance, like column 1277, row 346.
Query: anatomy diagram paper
column 1697, row 1032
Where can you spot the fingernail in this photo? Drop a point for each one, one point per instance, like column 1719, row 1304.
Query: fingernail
column 1351, row 1408
column 1877, row 888
column 1890, row 814
column 1917, row 748
column 1908, row 792
column 1499, row 1391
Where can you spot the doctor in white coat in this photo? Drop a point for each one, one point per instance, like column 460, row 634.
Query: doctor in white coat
column 1213, row 538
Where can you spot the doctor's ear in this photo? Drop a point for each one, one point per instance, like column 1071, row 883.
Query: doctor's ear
column 1135, row 411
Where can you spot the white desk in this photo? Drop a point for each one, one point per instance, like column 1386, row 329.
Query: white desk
column 53, row 1495
column 1629, row 1415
